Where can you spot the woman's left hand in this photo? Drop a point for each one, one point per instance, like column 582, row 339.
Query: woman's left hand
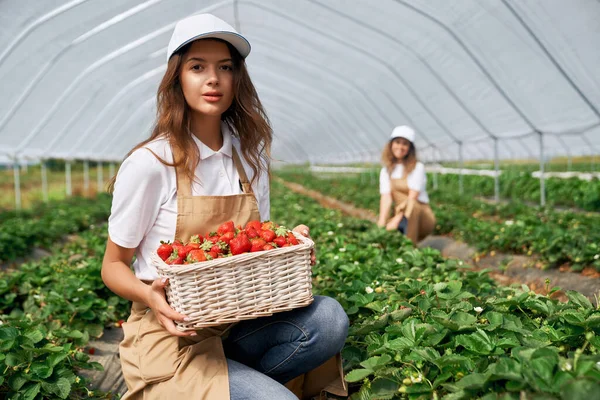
column 305, row 231
column 392, row 225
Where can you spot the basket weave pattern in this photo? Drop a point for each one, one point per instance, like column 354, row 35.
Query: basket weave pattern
column 245, row 286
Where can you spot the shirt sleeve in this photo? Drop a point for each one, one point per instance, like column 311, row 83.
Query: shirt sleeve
column 384, row 182
column 416, row 179
column 137, row 198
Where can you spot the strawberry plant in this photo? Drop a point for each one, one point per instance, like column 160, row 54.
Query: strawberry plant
column 423, row 327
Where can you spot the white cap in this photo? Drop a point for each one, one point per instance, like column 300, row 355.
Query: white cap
column 204, row 26
column 405, row 132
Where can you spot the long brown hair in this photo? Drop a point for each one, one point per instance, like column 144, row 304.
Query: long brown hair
column 409, row 161
column 245, row 117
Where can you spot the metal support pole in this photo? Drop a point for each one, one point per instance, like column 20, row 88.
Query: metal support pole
column 461, row 188
column 497, row 169
column 111, row 170
column 17, row 178
column 86, row 177
column 44, row 180
column 542, row 183
column 100, row 179
column 69, row 190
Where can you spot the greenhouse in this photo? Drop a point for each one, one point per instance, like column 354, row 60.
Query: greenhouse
column 424, row 175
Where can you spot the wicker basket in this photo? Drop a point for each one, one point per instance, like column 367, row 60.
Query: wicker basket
column 245, row 286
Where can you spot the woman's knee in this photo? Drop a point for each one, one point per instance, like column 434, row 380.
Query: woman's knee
column 246, row 383
column 331, row 322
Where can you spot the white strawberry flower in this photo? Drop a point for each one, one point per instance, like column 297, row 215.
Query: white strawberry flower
column 597, row 256
column 342, row 249
column 336, row 257
column 509, row 222
column 340, row 225
column 418, row 379
column 369, row 289
column 80, row 289
column 399, row 260
column 478, row 309
column 330, row 233
column 356, row 263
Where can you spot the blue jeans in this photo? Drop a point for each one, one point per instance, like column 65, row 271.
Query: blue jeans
column 264, row 353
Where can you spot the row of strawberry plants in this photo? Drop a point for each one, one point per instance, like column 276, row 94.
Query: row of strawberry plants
column 21, row 231
column 572, row 192
column 556, row 237
column 49, row 310
column 423, row 327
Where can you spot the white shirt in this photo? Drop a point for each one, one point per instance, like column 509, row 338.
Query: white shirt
column 144, row 205
column 416, row 180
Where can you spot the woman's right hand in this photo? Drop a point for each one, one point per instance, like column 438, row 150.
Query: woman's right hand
column 165, row 315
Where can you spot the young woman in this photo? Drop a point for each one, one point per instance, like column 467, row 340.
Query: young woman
column 402, row 181
column 205, row 163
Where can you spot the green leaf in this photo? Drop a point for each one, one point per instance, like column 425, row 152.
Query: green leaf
column 13, row 359
column 94, row 330
column 506, row 368
column 357, row 375
column 43, row 371
column 376, row 362
column 579, row 299
column 17, row 381
column 573, row 317
column 477, row 342
column 401, row 315
column 35, row 335
column 580, row 389
column 75, row 334
column 53, row 359
column 593, row 321
column 464, row 320
column 63, row 388
column 31, row 390
column 383, row 387
column 8, row 333
column 475, row 381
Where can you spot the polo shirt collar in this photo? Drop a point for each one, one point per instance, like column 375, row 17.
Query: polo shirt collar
column 206, row 152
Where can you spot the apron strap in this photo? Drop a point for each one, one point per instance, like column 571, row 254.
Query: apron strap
column 184, row 185
column 241, row 172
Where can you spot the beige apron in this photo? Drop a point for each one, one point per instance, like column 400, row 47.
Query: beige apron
column 158, row 365
column 422, row 220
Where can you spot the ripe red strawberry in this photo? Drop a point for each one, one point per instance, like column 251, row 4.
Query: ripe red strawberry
column 257, row 244
column 287, row 245
column 120, row 323
column 268, row 246
column 92, row 350
column 196, row 239
column 164, row 250
column 196, row 256
column 268, row 235
column 175, row 258
column 252, row 233
column 240, row 244
column 213, row 238
column 226, row 238
column 211, row 255
column 280, row 241
column 184, row 251
column 256, row 225
column 226, row 227
column 218, row 247
column 292, row 239
column 268, row 225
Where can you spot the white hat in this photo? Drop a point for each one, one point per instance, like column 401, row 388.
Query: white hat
column 203, row 26
column 403, row 131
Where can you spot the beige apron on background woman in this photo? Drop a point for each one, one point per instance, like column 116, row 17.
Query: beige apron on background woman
column 422, row 220
column 158, row 365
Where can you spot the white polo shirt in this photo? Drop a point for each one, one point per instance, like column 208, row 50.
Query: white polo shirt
column 416, row 180
column 144, row 206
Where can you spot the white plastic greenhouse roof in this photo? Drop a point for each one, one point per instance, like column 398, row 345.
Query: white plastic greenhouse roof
column 79, row 77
